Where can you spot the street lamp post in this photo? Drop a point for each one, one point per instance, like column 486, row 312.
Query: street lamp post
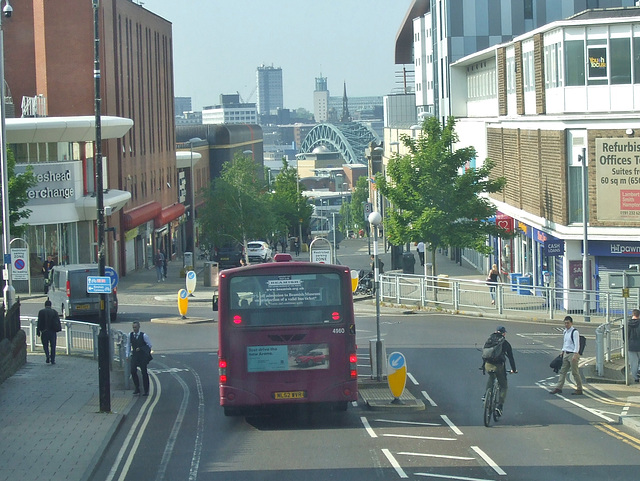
column 585, row 242
column 9, row 291
column 193, row 201
column 104, row 381
column 375, row 219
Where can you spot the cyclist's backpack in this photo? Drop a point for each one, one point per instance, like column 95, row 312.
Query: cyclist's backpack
column 583, row 343
column 492, row 350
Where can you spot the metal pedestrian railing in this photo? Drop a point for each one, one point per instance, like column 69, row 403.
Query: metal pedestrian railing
column 79, row 338
column 462, row 294
column 609, row 342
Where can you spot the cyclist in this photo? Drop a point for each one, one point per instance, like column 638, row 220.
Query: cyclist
column 498, row 365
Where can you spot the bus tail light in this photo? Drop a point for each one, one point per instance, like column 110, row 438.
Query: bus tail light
column 222, row 370
column 353, row 361
column 237, row 319
column 335, row 316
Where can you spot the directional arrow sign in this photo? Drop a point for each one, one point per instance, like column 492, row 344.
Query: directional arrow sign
column 98, row 285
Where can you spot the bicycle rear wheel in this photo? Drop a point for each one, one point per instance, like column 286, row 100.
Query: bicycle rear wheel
column 488, row 406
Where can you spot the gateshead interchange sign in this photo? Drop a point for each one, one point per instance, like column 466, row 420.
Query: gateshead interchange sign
column 618, row 179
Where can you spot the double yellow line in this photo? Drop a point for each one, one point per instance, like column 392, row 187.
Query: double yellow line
column 616, row 433
column 610, row 401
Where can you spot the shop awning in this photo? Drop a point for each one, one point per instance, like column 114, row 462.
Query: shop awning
column 140, row 215
column 168, row 214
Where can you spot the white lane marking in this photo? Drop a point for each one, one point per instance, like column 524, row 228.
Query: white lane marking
column 197, row 448
column 445, row 476
column 443, row 456
column 368, row 428
column 173, row 435
column 409, row 436
column 489, row 461
column 453, row 427
column 581, row 406
column 413, row 379
column 145, row 412
column 428, row 398
column 394, row 463
column 406, row 422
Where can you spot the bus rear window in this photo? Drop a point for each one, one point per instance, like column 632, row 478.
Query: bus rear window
column 286, row 299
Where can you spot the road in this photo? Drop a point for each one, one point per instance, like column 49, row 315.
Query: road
column 180, row 432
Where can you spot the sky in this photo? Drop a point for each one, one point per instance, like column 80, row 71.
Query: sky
column 217, row 46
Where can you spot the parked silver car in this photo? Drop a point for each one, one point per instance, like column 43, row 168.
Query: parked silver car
column 258, row 251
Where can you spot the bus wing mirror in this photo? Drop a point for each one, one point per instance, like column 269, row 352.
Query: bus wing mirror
column 214, row 302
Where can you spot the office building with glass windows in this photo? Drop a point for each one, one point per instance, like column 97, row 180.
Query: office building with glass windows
column 269, row 90
column 540, row 105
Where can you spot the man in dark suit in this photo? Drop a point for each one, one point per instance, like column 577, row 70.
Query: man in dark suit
column 139, row 354
column 48, row 328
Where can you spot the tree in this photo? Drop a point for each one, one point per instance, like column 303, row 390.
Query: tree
column 236, row 207
column 359, row 196
column 18, row 195
column 435, row 197
column 302, row 113
column 289, row 206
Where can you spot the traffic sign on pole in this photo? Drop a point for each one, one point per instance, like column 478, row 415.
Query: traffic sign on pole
column 113, row 275
column 98, row 285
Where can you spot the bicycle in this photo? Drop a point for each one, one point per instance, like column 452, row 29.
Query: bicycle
column 365, row 283
column 491, row 399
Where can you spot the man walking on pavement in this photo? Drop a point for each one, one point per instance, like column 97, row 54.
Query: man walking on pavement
column 420, row 249
column 633, row 339
column 570, row 357
column 48, row 327
column 159, row 261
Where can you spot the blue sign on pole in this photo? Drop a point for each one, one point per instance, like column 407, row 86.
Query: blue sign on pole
column 112, row 274
column 98, row 285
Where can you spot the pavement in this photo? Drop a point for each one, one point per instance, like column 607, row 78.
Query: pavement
column 60, row 434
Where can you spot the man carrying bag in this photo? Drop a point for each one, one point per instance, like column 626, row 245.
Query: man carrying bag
column 139, row 354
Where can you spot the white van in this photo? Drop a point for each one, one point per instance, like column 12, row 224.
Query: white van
column 68, row 293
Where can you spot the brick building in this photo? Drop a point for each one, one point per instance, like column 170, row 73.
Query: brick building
column 49, row 53
column 536, row 106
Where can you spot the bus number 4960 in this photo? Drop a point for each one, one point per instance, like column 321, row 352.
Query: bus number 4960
column 339, row 330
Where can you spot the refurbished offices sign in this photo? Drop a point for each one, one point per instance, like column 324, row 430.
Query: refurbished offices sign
column 617, row 168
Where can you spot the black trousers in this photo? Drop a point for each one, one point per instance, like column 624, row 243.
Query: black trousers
column 135, row 364
column 49, row 343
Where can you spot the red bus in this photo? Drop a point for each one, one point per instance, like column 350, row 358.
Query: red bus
column 286, row 335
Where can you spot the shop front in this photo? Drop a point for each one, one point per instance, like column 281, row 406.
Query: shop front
column 613, row 257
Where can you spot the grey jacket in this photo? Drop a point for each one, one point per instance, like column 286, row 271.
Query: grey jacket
column 634, row 335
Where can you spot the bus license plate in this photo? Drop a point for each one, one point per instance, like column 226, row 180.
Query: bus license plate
column 290, row 395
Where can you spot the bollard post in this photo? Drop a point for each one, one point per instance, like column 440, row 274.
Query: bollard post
column 68, row 337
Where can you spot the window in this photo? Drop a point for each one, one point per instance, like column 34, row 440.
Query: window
column 576, row 141
column 528, row 72
column 620, row 61
column 597, row 64
column 574, row 53
column 281, row 299
column 636, row 60
column 552, row 66
column 528, row 9
column 511, row 75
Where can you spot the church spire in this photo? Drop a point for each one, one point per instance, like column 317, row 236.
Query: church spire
column 346, row 117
